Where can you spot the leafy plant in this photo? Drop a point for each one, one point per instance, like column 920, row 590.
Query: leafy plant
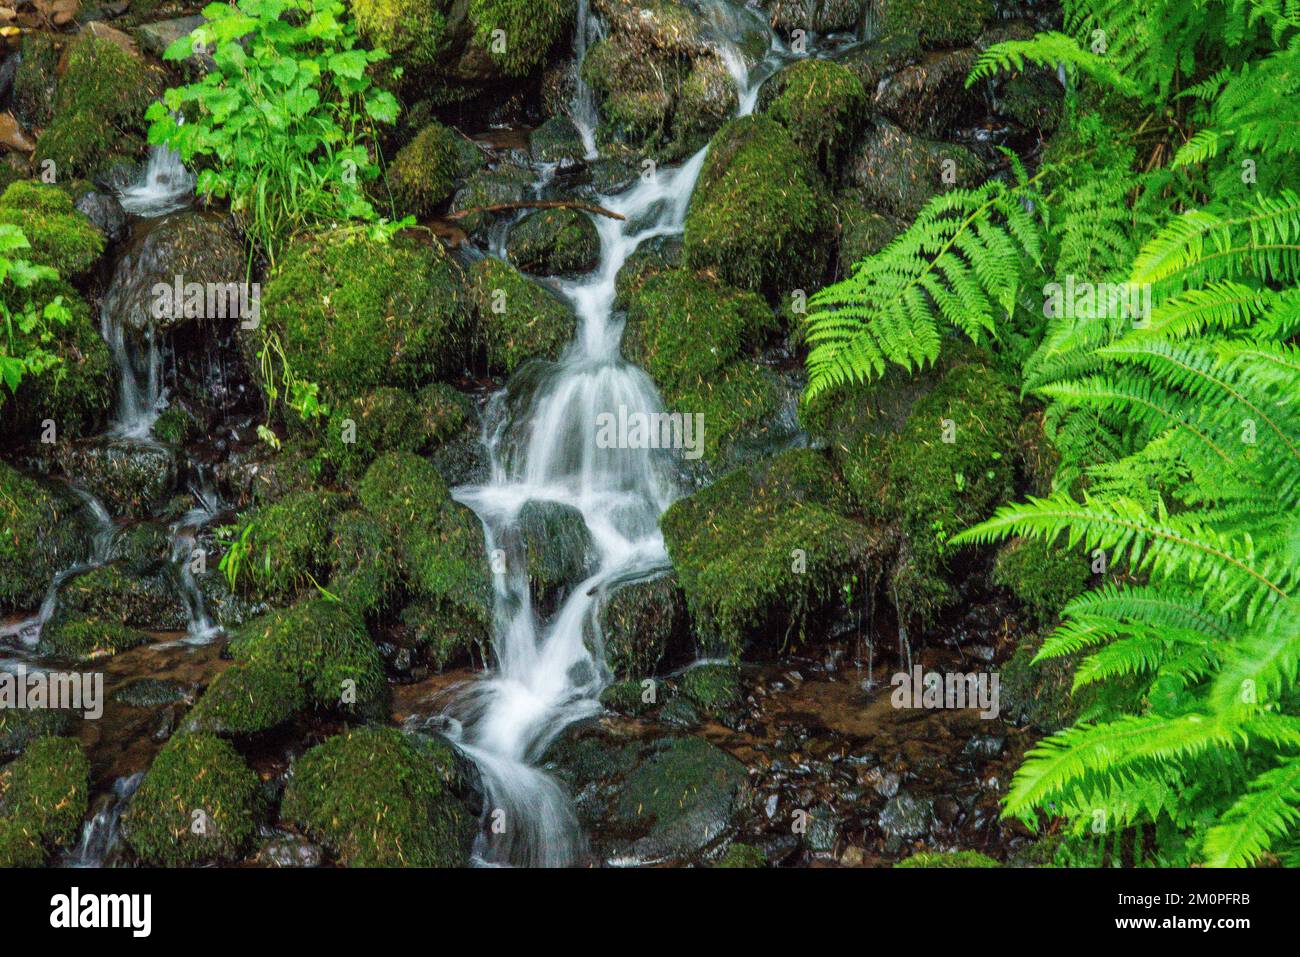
column 284, row 123
column 28, row 329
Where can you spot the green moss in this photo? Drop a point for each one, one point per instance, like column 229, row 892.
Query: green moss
column 641, row 624
column 441, row 541
column 324, row 646
column 99, row 109
column 1042, row 577
column 823, row 105
column 60, row 236
column 627, row 697
column 757, row 216
column 684, row 326
column 423, row 174
column 247, row 699
column 77, row 393
column 366, row 563
column 743, row 855
column 377, row 798
column 362, row 428
column 449, row 637
column 354, row 314
column 413, row 31
column 554, row 242
column 714, row 688
column 899, row 173
column 635, row 98
column 19, row 727
column 85, row 639
column 35, row 80
column 531, row 28
column 287, row 545
column 112, row 593
column 517, row 318
column 43, row 800
column 948, row 859
column 198, row 803
column 863, row 230
column 559, row 547
column 42, row 531
column 937, row 23
column 739, row 405
column 505, row 183
column 175, row 425
column 762, row 548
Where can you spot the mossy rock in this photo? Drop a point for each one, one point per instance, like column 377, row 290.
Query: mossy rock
column 532, row 29
column 741, row 407
column 765, row 547
column 635, row 99
column 175, row 426
column 60, row 237
column 198, row 803
column 353, row 314
column 113, row 593
column 362, row 428
column 288, row 545
column 642, row 624
column 377, row 798
column 863, row 230
column 743, row 855
column 823, row 105
column 714, row 689
column 413, row 31
column 446, row 640
column 1040, row 694
column 518, row 319
column 898, row 173
column 247, row 699
column 19, row 727
column 366, row 562
column 630, row 697
column 43, row 799
column 324, row 646
column 936, row 23
column 559, row 547
column 77, row 393
column 554, row 242
column 1042, row 577
column 131, row 477
column 36, row 80
column 948, row 859
column 758, row 217
column 441, row 541
column 79, row 638
column 504, row 183
column 99, row 108
column 43, row 530
column 423, row 174
column 1034, row 100
column 556, row 141
column 683, row 326
column 151, row 692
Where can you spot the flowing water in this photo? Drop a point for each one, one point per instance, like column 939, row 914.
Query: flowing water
column 544, row 447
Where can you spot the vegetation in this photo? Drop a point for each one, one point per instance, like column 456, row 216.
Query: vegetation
column 43, row 800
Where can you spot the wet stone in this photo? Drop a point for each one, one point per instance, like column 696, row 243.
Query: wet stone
column 905, row 817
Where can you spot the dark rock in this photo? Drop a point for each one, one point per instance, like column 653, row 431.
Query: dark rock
column 643, row 623
column 152, row 692
column 899, row 172
column 930, row 97
column 131, row 478
column 557, row 141
column 105, row 212
column 905, row 817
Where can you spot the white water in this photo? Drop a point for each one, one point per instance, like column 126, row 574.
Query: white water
column 548, row 674
column 165, row 187
column 583, row 109
column 101, row 834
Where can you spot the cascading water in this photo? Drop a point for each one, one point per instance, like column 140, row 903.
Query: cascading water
column 547, row 674
column 101, row 834
column 165, row 187
column 583, row 109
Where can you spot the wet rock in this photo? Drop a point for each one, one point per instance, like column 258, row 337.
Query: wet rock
column 192, row 249
column 682, row 796
column 131, row 478
column 47, row 530
column 289, row 850
column 817, row 16
column 152, row 692
column 930, row 97
column 643, row 624
column 461, row 462
column 984, row 746
column 557, row 543
column 899, row 172
column 505, row 183
column 19, row 727
column 631, row 697
column 557, row 141
column 714, row 689
column 906, row 817
column 13, row 137
column 518, row 319
column 143, row 547
column 823, row 829
column 555, row 242
column 83, row 638
column 105, row 212
column 111, row 593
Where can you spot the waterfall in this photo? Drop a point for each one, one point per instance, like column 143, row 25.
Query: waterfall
column 165, row 187
column 101, row 834
column 583, row 109
column 546, row 675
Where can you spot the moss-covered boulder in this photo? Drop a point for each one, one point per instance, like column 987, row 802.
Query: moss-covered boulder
column 554, row 242
column 642, row 625
column 324, row 646
column 930, row 97
column 247, row 699
column 131, row 477
column 43, row 800
column 423, row 174
column 198, row 803
column 503, row 183
column 518, row 319
column 103, row 92
column 444, row 641
column 822, row 104
column 81, row 638
column 441, row 541
column 742, row 855
column 414, row 32
column 898, row 173
column 936, row 23
column 863, row 231
column 366, row 561
column 286, row 545
column 353, row 314
column 713, row 688
column 559, row 548
column 60, row 237
column 1044, row 578
column 113, row 593
column 948, row 859
column 375, row 797
column 19, row 727
column 758, row 217
column 764, row 548
column 43, row 529
column 35, row 80
column 558, row 141
column 389, row 419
